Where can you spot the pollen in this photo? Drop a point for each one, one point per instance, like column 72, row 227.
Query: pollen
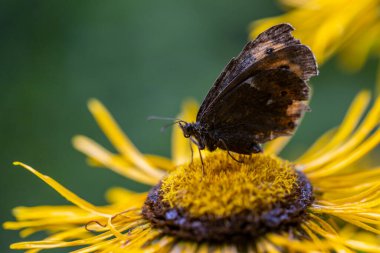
column 228, row 200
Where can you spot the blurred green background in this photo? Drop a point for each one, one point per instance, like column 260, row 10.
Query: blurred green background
column 140, row 58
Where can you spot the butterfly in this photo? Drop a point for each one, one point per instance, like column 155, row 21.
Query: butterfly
column 260, row 95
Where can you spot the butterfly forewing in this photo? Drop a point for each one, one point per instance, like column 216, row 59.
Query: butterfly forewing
column 267, row 43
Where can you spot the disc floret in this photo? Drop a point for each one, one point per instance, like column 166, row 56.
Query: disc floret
column 229, row 200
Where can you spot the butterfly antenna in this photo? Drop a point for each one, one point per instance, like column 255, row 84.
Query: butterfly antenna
column 169, row 125
column 175, row 121
column 161, row 118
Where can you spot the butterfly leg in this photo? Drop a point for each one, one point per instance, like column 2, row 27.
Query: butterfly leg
column 228, row 151
column 192, row 151
column 192, row 140
column 203, row 166
column 200, row 154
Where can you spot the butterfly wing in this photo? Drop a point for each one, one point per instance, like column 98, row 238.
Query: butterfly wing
column 261, row 108
column 274, row 48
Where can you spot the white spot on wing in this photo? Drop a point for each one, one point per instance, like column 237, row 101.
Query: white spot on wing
column 251, row 82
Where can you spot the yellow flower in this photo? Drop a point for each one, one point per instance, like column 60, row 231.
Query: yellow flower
column 322, row 202
column 349, row 28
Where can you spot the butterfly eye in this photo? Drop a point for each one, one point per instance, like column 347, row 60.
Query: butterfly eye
column 284, row 93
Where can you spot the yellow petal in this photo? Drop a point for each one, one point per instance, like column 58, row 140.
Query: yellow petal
column 111, row 161
column 120, row 140
column 340, row 164
column 160, row 162
column 378, row 80
column 352, row 143
column 275, row 147
column 332, row 139
column 64, row 192
column 118, row 195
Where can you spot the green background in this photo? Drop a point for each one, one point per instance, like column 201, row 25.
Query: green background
column 140, row 58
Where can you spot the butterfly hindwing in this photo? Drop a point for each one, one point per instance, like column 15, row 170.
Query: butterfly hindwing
column 265, row 106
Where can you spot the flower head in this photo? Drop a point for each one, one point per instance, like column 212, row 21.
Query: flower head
column 346, row 27
column 321, row 202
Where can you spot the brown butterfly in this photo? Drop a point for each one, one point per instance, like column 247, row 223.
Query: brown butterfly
column 260, row 95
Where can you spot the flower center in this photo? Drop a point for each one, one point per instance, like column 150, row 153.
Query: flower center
column 229, row 201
